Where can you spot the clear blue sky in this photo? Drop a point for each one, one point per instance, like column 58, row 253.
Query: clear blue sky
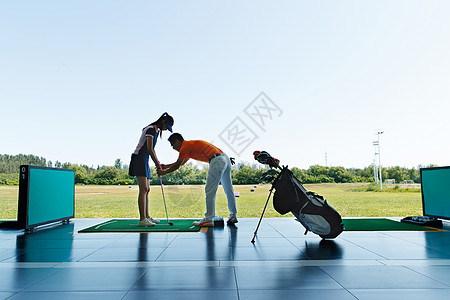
column 80, row 79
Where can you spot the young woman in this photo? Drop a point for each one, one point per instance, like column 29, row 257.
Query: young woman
column 139, row 164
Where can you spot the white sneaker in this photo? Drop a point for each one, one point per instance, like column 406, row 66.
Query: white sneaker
column 146, row 223
column 153, row 220
column 232, row 220
column 205, row 222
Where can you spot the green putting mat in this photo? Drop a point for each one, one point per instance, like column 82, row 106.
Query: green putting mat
column 131, row 225
column 382, row 225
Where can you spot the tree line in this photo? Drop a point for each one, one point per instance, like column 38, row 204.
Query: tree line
column 191, row 174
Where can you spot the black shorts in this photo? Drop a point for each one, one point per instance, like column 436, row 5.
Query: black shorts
column 139, row 166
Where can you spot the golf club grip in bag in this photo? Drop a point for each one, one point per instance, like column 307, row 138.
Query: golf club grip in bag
column 310, row 209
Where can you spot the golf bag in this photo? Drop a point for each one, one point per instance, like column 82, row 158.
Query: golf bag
column 310, row 209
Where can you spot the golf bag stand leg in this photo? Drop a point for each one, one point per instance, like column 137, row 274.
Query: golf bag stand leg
column 260, row 219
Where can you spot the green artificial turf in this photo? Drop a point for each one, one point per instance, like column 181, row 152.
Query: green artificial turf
column 380, row 224
column 131, row 225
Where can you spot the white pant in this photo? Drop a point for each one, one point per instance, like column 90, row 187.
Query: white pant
column 219, row 171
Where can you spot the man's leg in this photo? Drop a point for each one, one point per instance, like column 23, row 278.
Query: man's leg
column 227, row 185
column 212, row 183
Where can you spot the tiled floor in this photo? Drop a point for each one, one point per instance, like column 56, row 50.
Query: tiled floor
column 58, row 262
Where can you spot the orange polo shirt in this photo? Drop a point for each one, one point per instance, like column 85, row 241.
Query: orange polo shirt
column 198, row 150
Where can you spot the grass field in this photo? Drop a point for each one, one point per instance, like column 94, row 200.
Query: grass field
column 188, row 201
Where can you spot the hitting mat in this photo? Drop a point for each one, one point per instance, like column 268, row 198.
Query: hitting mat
column 131, row 225
column 382, row 225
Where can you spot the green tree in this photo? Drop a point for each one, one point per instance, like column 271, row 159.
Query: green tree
column 301, row 174
column 317, row 170
column 247, row 175
column 397, row 173
column 414, row 175
column 80, row 174
column 340, row 175
column 118, row 164
column 318, row 174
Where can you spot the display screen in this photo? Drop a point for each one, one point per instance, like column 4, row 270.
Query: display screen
column 436, row 192
column 45, row 195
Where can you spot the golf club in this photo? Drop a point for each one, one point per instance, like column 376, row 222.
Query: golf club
column 164, row 198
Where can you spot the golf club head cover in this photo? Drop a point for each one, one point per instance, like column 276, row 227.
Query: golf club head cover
column 266, row 159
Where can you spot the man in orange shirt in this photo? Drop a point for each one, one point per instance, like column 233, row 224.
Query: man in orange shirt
column 219, row 171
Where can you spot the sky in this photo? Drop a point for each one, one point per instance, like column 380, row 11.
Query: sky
column 311, row 82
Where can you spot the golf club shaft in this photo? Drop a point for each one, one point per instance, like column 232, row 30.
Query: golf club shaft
column 164, row 199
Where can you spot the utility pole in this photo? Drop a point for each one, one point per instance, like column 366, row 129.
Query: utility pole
column 326, row 159
column 375, row 170
column 379, row 132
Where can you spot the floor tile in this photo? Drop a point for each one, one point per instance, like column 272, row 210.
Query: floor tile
column 395, row 294
column 202, row 243
column 261, row 263
column 295, row 294
column 69, row 295
column 327, row 249
column 196, row 253
column 438, row 241
column 305, row 241
column 383, row 241
column 28, row 265
column 51, row 255
column 185, row 295
column 438, row 273
column 17, row 279
column 212, row 232
column 123, row 254
column 149, row 236
column 100, row 236
column 268, row 253
column 261, row 242
column 89, row 279
column 144, row 241
column 7, row 243
column 381, row 277
column 285, row 278
column 101, row 264
column 6, row 254
column 44, row 244
column 187, row 278
column 419, row 252
column 5, row 295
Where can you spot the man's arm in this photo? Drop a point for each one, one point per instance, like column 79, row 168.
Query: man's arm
column 164, row 167
column 173, row 167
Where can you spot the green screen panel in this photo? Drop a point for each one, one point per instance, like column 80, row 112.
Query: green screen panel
column 436, row 192
column 50, row 195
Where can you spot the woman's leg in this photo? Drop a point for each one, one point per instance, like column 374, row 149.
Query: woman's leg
column 147, row 214
column 144, row 188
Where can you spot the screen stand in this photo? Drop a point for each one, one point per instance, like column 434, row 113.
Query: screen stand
column 423, row 221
